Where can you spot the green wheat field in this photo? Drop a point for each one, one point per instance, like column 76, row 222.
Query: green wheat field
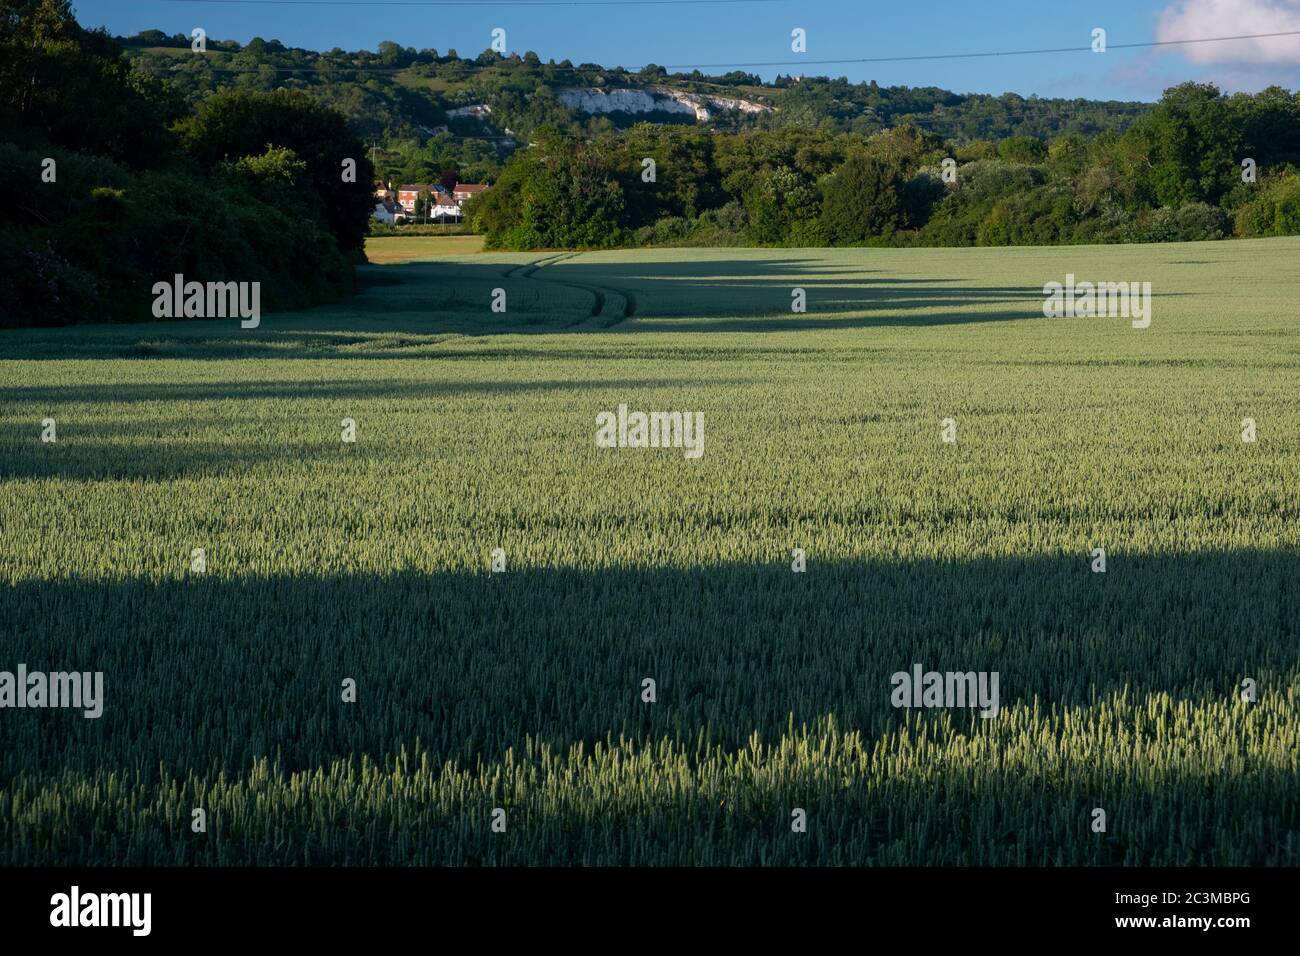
column 522, row 690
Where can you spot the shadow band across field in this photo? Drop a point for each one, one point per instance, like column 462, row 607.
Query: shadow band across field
column 411, row 302
column 423, row 309
column 1117, row 690
column 710, row 295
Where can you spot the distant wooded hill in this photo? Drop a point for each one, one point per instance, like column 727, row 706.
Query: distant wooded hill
column 400, row 93
column 798, row 161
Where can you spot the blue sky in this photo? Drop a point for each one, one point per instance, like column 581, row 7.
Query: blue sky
column 751, row 31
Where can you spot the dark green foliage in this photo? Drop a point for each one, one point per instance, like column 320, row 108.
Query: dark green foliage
column 71, row 87
column 441, row 157
column 232, row 125
column 1026, row 150
column 250, row 190
column 95, row 251
column 1174, row 175
column 863, row 199
column 1190, row 222
column 1101, row 170
column 559, row 195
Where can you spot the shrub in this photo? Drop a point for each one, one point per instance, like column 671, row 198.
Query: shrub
column 1276, row 212
column 1022, row 150
column 667, row 230
column 1190, row 222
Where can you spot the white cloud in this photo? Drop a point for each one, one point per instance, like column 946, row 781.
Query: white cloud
column 1191, row 19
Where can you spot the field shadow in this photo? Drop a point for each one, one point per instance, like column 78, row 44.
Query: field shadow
column 471, row 663
column 92, row 447
column 728, row 294
column 410, row 309
column 205, row 675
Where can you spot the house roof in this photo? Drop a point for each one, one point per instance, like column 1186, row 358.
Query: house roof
column 469, row 188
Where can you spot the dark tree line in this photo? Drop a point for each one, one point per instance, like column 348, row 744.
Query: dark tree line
column 112, row 181
column 1199, row 165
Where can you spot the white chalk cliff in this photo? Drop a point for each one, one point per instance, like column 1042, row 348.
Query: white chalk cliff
column 655, row 99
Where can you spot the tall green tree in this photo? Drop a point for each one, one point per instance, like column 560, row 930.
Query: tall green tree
column 558, row 194
column 229, row 126
column 863, row 199
column 73, row 88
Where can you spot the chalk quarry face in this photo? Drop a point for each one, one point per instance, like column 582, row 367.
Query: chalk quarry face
column 655, row 100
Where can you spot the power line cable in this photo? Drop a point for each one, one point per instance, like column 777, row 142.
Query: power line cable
column 964, row 56
column 766, row 63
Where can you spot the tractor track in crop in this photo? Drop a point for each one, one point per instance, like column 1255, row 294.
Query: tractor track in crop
column 610, row 304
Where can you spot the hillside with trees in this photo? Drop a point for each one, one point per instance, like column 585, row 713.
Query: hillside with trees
column 817, row 160
column 1199, row 165
column 404, row 101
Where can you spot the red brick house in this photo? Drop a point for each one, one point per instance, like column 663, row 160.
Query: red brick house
column 407, row 195
column 463, row 191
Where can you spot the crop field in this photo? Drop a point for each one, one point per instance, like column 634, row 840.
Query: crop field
column 371, row 561
column 405, row 249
